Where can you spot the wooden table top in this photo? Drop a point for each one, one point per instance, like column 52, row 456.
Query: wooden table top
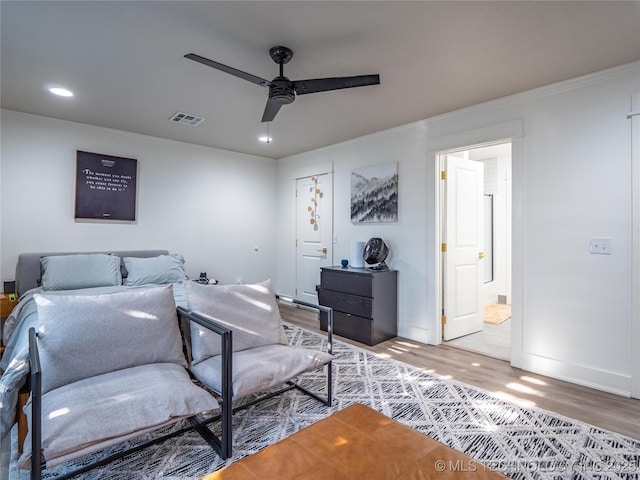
column 356, row 443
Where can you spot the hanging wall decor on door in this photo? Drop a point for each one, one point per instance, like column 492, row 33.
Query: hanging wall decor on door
column 313, row 208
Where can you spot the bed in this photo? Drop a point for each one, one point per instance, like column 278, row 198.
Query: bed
column 79, row 273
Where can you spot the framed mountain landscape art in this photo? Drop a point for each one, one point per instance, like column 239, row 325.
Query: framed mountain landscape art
column 374, row 193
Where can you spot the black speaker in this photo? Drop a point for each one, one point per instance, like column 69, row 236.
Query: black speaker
column 10, row 286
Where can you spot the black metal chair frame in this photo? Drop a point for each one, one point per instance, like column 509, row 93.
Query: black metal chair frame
column 225, row 443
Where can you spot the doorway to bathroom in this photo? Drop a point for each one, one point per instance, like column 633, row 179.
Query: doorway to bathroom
column 475, row 234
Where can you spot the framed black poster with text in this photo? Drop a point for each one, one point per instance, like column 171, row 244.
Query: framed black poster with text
column 105, row 187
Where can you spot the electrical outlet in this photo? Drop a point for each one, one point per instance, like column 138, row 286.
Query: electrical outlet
column 600, row 245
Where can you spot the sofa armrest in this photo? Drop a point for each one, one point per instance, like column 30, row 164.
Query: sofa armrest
column 205, row 322
column 36, row 404
column 319, row 308
column 226, row 339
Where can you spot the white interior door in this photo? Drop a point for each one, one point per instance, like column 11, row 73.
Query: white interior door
column 463, row 234
column 314, row 233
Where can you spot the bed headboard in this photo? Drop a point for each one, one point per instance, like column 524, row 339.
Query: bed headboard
column 28, row 271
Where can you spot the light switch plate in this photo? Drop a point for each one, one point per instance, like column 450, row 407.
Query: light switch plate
column 600, row 245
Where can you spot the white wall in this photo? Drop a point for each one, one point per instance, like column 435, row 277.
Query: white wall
column 212, row 206
column 407, row 146
column 571, row 180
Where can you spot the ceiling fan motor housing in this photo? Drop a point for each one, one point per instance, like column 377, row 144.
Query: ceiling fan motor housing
column 281, row 90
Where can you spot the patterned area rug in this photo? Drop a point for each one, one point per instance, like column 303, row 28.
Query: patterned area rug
column 524, row 443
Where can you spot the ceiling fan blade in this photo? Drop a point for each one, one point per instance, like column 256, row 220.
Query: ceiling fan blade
column 270, row 110
column 336, row 83
column 225, row 68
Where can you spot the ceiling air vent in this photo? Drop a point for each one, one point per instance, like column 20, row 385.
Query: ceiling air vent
column 186, row 119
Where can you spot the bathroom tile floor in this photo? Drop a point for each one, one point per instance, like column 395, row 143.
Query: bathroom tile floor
column 493, row 341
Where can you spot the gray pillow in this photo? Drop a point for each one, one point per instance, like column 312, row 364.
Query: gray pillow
column 86, row 335
column 71, row 272
column 156, row 270
column 251, row 311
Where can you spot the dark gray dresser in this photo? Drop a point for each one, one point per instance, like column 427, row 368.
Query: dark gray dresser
column 364, row 302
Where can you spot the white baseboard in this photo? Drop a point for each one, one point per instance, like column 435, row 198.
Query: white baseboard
column 611, row 382
column 416, row 334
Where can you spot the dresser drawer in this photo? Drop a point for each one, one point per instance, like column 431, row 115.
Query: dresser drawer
column 347, row 282
column 353, row 327
column 344, row 302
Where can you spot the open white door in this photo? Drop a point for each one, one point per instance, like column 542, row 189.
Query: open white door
column 314, row 233
column 463, row 234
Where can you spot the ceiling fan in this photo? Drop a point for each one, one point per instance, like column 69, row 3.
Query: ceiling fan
column 282, row 90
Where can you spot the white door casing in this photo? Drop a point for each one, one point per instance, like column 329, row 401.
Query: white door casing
column 463, row 233
column 635, row 281
column 314, row 233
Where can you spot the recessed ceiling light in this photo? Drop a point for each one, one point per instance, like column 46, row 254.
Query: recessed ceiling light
column 265, row 139
column 62, row 92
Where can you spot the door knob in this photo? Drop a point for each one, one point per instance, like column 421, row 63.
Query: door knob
column 323, row 250
column 481, row 255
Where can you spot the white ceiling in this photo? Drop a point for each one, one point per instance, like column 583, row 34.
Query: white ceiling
column 124, row 61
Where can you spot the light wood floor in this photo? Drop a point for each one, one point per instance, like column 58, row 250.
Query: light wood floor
column 605, row 410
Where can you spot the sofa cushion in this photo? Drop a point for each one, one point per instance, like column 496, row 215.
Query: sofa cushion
column 85, row 335
column 99, row 411
column 70, row 272
column 250, row 311
column 260, row 368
